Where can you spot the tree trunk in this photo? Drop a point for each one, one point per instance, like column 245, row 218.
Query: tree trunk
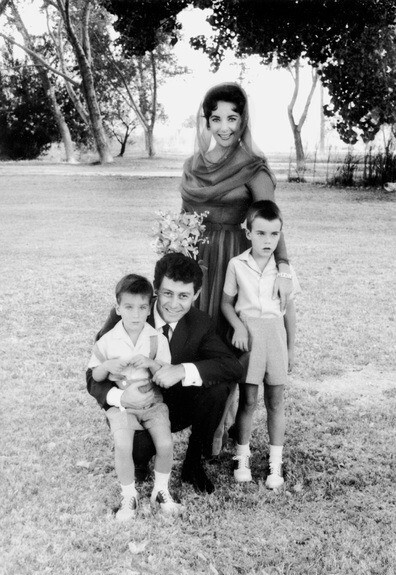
column 48, row 87
column 124, row 143
column 88, row 84
column 300, row 155
column 63, row 128
column 149, row 139
column 296, row 128
column 95, row 116
column 322, row 122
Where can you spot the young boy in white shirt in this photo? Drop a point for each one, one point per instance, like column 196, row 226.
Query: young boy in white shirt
column 261, row 330
column 130, row 354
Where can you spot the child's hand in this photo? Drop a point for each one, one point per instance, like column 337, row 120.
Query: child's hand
column 240, row 339
column 290, row 360
column 140, row 361
column 116, row 366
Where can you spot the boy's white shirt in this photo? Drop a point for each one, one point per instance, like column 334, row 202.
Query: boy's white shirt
column 116, row 343
column 192, row 377
column 254, row 287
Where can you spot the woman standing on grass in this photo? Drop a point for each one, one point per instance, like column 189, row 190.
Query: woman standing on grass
column 226, row 174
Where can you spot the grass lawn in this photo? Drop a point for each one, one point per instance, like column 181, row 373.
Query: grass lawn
column 65, row 241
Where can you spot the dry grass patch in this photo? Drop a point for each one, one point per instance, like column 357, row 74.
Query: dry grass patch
column 65, row 241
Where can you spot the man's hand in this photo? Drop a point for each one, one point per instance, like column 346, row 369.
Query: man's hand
column 132, row 397
column 240, row 339
column 116, row 366
column 169, row 375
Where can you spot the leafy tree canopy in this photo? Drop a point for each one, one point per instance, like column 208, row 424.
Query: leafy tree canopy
column 139, row 22
column 27, row 126
column 27, row 129
column 351, row 42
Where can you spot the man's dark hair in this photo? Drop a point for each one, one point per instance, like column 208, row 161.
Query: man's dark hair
column 134, row 284
column 265, row 209
column 179, row 268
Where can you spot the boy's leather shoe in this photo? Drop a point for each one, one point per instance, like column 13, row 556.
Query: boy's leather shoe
column 194, row 473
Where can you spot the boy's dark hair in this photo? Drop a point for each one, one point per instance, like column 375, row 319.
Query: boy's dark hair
column 134, row 284
column 265, row 209
column 178, row 267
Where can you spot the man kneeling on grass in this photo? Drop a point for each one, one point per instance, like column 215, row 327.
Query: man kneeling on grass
column 130, row 354
column 196, row 386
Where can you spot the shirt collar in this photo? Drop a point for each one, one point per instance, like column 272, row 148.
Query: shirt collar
column 121, row 333
column 159, row 322
column 247, row 257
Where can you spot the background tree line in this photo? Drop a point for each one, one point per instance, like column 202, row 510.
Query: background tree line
column 94, row 74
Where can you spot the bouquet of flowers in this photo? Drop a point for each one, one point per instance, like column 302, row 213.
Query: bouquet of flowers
column 179, row 232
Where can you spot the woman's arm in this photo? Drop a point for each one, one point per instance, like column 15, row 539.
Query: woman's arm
column 290, row 326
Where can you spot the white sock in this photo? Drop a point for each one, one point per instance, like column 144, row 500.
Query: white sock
column 128, row 491
column 276, row 453
column 243, row 449
column 161, row 481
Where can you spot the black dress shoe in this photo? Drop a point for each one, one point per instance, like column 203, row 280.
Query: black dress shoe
column 194, row 473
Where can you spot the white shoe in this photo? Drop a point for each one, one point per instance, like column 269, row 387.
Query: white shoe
column 163, row 499
column 128, row 508
column 242, row 468
column 275, row 477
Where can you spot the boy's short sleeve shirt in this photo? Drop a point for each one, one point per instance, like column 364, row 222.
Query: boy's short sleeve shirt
column 116, row 343
column 253, row 287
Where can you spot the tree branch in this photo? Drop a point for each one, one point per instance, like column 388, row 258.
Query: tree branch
column 86, row 44
column 39, row 59
column 130, row 95
column 154, row 101
column 296, row 79
column 308, row 102
column 72, row 95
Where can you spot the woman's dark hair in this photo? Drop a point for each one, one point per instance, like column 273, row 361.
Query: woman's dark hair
column 265, row 209
column 231, row 93
column 134, row 284
column 179, row 268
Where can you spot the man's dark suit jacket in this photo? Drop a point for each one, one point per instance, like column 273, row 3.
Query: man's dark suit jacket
column 193, row 341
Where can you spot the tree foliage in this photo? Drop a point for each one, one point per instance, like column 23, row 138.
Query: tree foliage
column 142, row 59
column 351, row 42
column 26, row 127
column 140, row 22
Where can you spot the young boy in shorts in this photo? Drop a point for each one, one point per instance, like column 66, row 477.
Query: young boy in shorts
column 260, row 329
column 130, row 354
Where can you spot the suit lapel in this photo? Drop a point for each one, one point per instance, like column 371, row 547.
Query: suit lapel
column 178, row 340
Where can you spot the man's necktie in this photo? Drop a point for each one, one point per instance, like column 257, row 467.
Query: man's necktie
column 165, row 330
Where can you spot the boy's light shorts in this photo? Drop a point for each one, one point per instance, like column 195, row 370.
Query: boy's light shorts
column 138, row 419
column 267, row 360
